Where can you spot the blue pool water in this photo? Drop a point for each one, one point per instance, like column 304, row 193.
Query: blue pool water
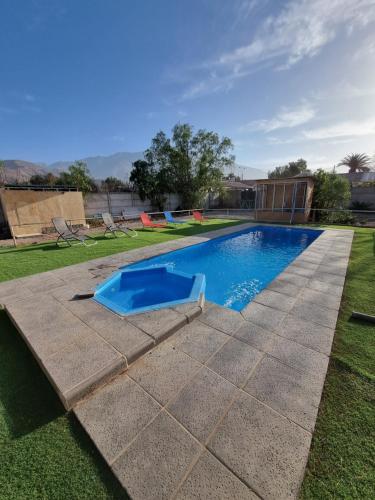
column 240, row 265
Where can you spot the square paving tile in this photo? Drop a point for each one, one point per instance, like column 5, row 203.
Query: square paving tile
column 262, row 448
column 255, row 335
column 274, row 299
column 235, row 361
column 155, row 463
column 198, row 340
column 83, row 365
column 283, row 286
column 295, row 279
column 159, row 324
column 221, row 318
column 326, row 288
column 202, row 402
column 299, row 357
column 309, row 334
column 116, row 414
column 163, row 372
column 211, row 480
column 309, row 311
column 301, row 271
column 286, row 390
column 268, row 318
column 332, row 279
column 320, row 298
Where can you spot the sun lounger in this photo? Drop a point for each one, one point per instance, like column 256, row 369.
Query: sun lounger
column 70, row 236
column 113, row 228
column 147, row 222
column 169, row 218
column 199, row 217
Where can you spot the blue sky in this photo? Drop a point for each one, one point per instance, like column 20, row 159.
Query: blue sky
column 283, row 79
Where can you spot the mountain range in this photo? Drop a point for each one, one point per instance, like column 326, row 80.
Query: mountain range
column 117, row 165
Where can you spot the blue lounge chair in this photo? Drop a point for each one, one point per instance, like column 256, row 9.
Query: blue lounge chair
column 169, row 218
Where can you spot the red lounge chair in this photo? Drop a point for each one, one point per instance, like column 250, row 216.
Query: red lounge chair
column 147, row 222
column 199, row 217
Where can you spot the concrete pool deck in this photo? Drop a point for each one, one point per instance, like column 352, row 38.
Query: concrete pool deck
column 223, row 408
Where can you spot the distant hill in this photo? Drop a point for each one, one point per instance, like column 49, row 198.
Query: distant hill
column 117, row 165
column 21, row 171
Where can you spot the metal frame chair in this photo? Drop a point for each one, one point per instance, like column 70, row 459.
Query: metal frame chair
column 68, row 235
column 113, row 228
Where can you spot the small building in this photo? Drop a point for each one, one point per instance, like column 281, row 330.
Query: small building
column 237, row 194
column 284, row 200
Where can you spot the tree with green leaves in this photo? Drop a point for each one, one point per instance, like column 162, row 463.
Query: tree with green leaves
column 43, row 179
column 191, row 165
column 151, row 184
column 113, row 184
column 357, row 162
column 78, row 175
column 292, row 169
column 331, row 191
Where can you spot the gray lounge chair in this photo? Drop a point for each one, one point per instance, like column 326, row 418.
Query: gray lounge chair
column 113, row 228
column 70, row 236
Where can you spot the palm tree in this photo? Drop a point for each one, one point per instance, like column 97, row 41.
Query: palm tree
column 357, row 162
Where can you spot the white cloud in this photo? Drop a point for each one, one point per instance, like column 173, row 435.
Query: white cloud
column 300, row 30
column 342, row 129
column 286, row 118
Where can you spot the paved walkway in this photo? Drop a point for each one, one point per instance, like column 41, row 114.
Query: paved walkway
column 225, row 407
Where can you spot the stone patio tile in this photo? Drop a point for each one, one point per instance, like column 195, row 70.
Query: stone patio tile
column 191, row 310
column 311, row 257
column 125, row 337
column 335, row 261
column 159, row 324
column 323, row 299
column 198, row 340
column 115, row 414
column 235, row 361
column 332, row 279
column 299, row 357
column 39, row 283
column 301, row 271
column 294, row 279
column 332, row 269
column 202, row 402
column 326, row 288
column 282, row 286
column 46, row 325
column 163, row 372
column 211, row 480
column 82, row 366
column 155, row 463
column 9, row 295
column 221, row 318
column 276, row 300
column 268, row 318
column 309, row 334
column 309, row 311
column 288, row 391
column 262, row 448
column 305, row 264
column 255, row 335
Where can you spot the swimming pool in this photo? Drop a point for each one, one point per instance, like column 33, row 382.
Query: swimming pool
column 238, row 266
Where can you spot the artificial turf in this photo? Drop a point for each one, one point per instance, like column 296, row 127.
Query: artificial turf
column 44, row 452
column 342, row 458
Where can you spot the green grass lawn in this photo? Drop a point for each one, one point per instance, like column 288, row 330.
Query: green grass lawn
column 342, row 458
column 44, row 453
column 31, row 259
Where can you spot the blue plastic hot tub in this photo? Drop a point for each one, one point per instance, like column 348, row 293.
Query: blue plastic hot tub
column 133, row 291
